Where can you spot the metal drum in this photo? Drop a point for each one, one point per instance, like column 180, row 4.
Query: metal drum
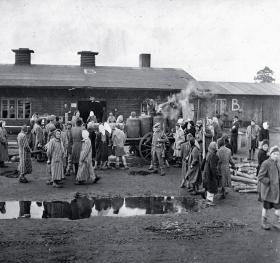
column 146, row 123
column 133, row 128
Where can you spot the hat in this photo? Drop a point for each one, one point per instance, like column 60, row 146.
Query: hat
column 265, row 142
column 157, row 125
column 274, row 149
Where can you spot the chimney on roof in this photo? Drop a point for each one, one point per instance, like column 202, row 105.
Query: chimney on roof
column 87, row 58
column 23, row 56
column 145, row 60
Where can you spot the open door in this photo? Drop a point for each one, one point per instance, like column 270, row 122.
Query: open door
column 97, row 107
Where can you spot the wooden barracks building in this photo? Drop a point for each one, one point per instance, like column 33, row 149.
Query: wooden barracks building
column 26, row 88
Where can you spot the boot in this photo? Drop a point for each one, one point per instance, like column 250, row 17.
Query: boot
column 277, row 224
column 151, row 167
column 264, row 224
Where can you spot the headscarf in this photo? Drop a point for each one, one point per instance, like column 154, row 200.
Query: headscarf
column 101, row 129
column 274, row 149
column 91, row 114
column 85, row 134
column 119, row 119
column 24, row 128
column 212, row 147
column 107, row 127
column 55, row 131
column 265, row 125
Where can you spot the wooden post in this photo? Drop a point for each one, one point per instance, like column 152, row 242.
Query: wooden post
column 203, row 139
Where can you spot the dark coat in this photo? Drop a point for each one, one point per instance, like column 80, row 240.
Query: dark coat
column 263, row 134
column 269, row 181
column 262, row 156
column 194, row 173
column 185, row 147
column 210, row 173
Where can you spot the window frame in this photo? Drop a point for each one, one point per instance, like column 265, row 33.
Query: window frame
column 16, row 100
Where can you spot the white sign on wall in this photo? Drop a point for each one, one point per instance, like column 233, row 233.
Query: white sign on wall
column 73, row 105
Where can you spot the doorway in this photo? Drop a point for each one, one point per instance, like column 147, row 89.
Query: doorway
column 98, row 107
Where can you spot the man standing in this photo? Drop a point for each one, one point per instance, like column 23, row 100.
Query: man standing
column 252, row 133
column 234, row 134
column 158, row 142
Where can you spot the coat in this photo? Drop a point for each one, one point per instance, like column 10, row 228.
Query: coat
column 262, row 156
column 179, row 139
column 25, row 165
column 39, row 136
column 217, row 131
column 263, row 134
column 252, row 134
column 185, row 148
column 269, row 181
column 224, row 155
column 194, row 172
column 85, row 171
column 210, row 173
column 101, row 143
column 3, row 145
column 76, row 142
column 55, row 153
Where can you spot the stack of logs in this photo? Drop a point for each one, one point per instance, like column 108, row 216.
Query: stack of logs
column 244, row 178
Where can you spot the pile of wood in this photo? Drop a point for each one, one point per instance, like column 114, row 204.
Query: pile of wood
column 244, row 177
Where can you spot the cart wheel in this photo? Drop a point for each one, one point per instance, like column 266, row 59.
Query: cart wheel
column 145, row 146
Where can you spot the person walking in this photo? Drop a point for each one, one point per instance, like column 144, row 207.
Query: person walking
column 86, row 172
column 3, row 145
column 269, row 178
column 252, row 133
column 55, row 154
column 234, row 134
column 158, row 147
column 76, row 142
column 210, row 173
column 224, row 155
column 25, row 165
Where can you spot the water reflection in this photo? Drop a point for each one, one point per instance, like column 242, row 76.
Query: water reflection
column 83, row 207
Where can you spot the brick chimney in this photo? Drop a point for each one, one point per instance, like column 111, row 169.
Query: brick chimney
column 23, row 56
column 145, row 60
column 87, row 58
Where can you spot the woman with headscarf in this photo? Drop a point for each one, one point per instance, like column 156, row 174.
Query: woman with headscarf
column 210, row 173
column 55, row 154
column 224, row 155
column 76, row 142
column 3, row 144
column 25, row 165
column 91, row 117
column 102, row 142
column 179, row 137
column 86, row 172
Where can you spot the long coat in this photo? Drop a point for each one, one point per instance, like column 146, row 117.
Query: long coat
column 194, row 172
column 25, row 165
column 179, row 139
column 39, row 135
column 3, row 145
column 252, row 133
column 76, row 142
column 224, row 155
column 185, row 148
column 210, row 173
column 269, row 181
column 101, row 143
column 85, row 171
column 55, row 153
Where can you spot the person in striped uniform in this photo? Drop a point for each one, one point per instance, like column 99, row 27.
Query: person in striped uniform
column 25, row 165
column 55, row 153
column 86, row 172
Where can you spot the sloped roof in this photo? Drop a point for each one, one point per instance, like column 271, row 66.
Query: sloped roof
column 237, row 88
column 97, row 77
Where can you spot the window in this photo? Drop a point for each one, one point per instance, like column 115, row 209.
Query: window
column 15, row 109
column 221, row 106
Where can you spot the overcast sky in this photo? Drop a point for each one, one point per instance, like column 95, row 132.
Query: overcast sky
column 222, row 40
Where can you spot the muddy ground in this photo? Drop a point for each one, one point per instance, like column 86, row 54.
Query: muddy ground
column 228, row 232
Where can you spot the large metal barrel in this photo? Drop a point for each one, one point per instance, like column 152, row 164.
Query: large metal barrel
column 133, row 127
column 146, row 123
column 161, row 120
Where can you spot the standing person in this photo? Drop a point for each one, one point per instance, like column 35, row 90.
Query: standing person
column 25, row 165
column 224, row 155
column 234, row 134
column 193, row 174
column 39, row 139
column 55, row 154
column 227, row 144
column 252, row 136
column 158, row 147
column 262, row 154
column 86, row 171
column 210, row 173
column 186, row 149
column 179, row 137
column 91, row 117
column 217, row 129
column 76, row 142
column 269, row 177
column 76, row 117
column 50, row 127
column 119, row 139
column 111, row 118
column 263, row 133
column 92, row 129
column 69, row 167
column 3, row 145
column 102, row 142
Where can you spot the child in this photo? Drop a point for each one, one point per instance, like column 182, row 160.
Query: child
column 269, row 177
column 158, row 141
column 262, row 154
column 119, row 138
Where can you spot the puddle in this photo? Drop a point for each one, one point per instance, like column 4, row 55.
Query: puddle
column 83, row 207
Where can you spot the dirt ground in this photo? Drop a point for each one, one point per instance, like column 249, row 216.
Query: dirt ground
column 228, row 232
